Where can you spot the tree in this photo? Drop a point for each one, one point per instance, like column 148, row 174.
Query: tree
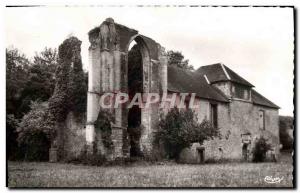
column 286, row 126
column 17, row 67
column 47, row 60
column 11, row 137
column 180, row 128
column 48, row 57
column 41, row 81
column 175, row 58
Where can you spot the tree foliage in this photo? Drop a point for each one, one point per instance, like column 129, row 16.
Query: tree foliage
column 286, row 127
column 40, row 81
column 50, row 74
column 180, row 128
column 11, row 137
column 176, row 58
column 17, row 67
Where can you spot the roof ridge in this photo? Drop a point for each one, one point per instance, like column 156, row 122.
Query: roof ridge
column 234, row 74
column 209, row 65
column 206, row 79
column 225, row 71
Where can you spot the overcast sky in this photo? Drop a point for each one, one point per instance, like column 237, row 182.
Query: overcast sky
column 257, row 43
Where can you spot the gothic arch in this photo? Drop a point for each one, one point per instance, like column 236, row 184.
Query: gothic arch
column 108, row 70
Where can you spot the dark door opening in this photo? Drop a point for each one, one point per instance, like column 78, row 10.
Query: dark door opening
column 214, row 115
column 201, row 155
column 245, row 152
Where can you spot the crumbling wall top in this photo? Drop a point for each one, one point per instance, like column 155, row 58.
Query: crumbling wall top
column 118, row 36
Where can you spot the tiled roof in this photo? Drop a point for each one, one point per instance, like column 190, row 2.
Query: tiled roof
column 220, row 72
column 180, row 80
column 258, row 99
column 185, row 81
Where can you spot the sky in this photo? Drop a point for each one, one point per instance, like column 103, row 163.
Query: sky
column 257, row 43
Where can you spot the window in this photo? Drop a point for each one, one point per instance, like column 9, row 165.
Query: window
column 187, row 103
column 214, row 115
column 241, row 92
column 261, row 121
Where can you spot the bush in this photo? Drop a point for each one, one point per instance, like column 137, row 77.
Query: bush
column 34, row 133
column 103, row 125
column 261, row 147
column 37, row 147
column 94, row 159
column 180, row 128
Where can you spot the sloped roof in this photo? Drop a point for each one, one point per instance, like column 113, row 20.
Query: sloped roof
column 258, row 99
column 185, row 81
column 220, row 72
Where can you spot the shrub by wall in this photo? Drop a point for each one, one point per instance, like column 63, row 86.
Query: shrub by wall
column 180, row 128
column 260, row 149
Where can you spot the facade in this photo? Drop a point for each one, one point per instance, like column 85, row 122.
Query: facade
column 244, row 118
column 225, row 98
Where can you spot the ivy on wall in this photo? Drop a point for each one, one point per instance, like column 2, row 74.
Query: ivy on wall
column 70, row 85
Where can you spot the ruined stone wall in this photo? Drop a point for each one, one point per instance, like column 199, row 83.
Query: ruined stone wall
column 108, row 69
column 150, row 117
column 74, row 136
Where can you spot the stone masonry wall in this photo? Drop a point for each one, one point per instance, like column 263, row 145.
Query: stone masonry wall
column 74, row 136
column 241, row 118
column 225, row 87
column 235, row 119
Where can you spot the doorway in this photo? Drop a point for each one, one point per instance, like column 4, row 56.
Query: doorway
column 201, row 155
column 245, row 152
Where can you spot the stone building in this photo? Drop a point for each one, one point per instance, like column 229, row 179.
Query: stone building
column 242, row 116
column 225, row 98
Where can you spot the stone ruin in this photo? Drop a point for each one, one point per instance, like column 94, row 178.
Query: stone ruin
column 108, row 72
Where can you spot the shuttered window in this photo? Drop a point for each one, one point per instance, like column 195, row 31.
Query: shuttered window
column 261, row 118
column 214, row 115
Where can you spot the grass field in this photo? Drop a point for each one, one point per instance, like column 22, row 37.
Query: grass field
column 32, row 174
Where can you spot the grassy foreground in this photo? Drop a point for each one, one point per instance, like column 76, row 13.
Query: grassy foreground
column 25, row 174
